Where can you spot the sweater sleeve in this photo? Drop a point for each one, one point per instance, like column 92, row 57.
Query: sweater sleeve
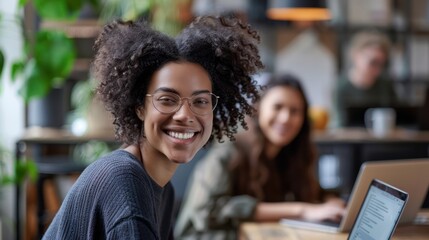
column 131, row 229
column 209, row 204
column 113, row 198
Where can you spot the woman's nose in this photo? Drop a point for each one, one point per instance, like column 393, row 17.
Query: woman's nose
column 284, row 115
column 184, row 112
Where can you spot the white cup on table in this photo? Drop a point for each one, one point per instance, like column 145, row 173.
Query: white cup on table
column 380, row 121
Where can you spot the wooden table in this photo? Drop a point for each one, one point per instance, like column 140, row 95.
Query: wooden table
column 275, row 231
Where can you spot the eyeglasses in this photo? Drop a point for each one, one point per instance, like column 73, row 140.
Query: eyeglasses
column 200, row 104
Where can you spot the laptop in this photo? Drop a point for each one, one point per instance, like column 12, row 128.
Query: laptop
column 410, row 175
column 380, row 212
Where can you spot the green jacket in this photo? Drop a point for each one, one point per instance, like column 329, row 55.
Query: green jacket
column 209, row 211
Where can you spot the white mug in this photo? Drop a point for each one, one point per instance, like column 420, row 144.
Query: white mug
column 380, row 121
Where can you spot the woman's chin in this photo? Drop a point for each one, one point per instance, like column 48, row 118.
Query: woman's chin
column 181, row 159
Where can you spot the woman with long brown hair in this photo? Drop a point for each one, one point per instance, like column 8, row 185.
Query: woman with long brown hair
column 267, row 174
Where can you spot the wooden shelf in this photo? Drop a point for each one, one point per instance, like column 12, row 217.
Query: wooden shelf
column 75, row 29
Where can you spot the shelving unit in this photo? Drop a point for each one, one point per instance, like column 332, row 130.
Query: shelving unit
column 401, row 29
column 53, row 153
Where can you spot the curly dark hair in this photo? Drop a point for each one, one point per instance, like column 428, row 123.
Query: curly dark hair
column 128, row 54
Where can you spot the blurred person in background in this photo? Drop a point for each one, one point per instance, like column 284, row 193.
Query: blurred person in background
column 363, row 82
column 266, row 174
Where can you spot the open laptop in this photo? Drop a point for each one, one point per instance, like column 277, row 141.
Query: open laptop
column 380, row 212
column 410, row 175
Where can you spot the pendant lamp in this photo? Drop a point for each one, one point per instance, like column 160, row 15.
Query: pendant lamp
column 298, row 10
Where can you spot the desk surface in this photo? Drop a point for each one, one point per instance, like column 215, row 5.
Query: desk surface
column 275, row 231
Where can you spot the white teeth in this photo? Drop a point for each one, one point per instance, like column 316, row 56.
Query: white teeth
column 181, row 135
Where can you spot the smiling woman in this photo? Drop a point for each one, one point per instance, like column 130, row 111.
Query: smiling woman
column 168, row 97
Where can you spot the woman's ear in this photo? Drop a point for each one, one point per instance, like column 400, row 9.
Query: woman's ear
column 140, row 112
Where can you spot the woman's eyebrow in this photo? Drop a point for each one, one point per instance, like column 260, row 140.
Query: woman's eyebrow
column 165, row 89
column 172, row 90
column 200, row 91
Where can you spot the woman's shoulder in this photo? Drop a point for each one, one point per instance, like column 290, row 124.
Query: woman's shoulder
column 113, row 166
column 116, row 173
column 118, row 159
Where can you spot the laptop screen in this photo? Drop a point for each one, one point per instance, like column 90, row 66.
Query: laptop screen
column 379, row 213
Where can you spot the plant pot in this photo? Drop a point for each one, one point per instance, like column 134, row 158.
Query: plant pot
column 49, row 111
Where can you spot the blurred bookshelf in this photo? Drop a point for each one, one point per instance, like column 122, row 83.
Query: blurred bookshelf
column 405, row 22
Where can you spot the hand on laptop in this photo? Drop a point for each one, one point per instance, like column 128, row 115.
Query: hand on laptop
column 332, row 210
column 335, row 201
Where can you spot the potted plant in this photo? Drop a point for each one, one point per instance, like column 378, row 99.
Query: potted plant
column 48, row 61
column 49, row 54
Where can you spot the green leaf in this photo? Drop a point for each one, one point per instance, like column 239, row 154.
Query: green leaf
column 1, row 67
column 126, row 10
column 82, row 95
column 36, row 83
column 54, row 53
column 22, row 3
column 52, row 62
column 25, row 168
column 136, row 9
column 16, row 69
column 58, row 9
column 1, row 62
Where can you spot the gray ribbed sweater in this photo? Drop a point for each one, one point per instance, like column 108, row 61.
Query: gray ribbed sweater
column 114, row 198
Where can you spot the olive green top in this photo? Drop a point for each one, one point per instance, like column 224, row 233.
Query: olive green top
column 209, row 210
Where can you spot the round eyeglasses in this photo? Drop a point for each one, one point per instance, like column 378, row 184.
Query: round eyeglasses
column 200, row 104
